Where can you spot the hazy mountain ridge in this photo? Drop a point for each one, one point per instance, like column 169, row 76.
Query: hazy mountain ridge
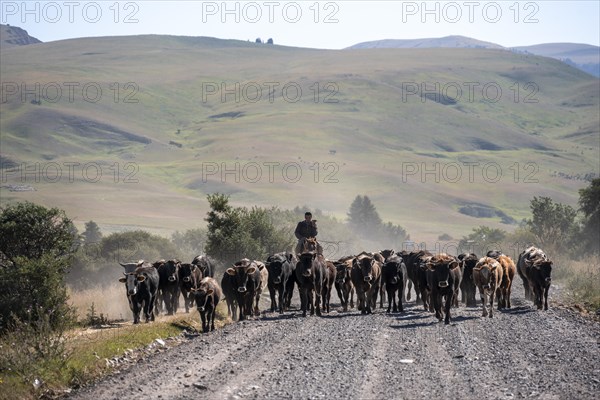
column 582, row 56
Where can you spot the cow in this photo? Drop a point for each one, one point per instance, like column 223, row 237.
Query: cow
column 328, row 284
column 413, row 262
column 207, row 296
column 508, row 273
column 281, row 267
column 535, row 269
column 384, row 256
column 530, row 254
column 206, row 265
column 168, row 285
column 467, row 286
column 228, row 287
column 487, row 276
column 366, row 277
column 159, row 298
column 189, row 278
column 311, row 272
column 393, row 276
column 247, row 284
column 141, row 285
column 264, row 280
column 343, row 281
column 494, row 254
column 444, row 276
column 422, row 271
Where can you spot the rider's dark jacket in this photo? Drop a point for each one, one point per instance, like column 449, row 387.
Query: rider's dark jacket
column 305, row 229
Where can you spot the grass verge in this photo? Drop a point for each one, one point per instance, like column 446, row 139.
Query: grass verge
column 38, row 363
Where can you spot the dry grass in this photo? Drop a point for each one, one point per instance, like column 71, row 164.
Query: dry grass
column 583, row 281
column 109, row 300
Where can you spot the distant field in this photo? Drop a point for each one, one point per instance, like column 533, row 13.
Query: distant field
column 163, row 135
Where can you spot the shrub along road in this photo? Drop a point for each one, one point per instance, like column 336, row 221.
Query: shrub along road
column 520, row 353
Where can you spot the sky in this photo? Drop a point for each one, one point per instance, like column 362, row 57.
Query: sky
column 314, row 24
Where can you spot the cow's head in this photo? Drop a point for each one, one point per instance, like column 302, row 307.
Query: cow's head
column 171, row 269
column 241, row 272
column 275, row 267
column 545, row 269
column 442, row 264
column 387, row 253
column 203, row 295
column 343, row 271
column 132, row 281
column 304, row 264
column 489, row 269
column 366, row 265
column 394, row 264
column 186, row 273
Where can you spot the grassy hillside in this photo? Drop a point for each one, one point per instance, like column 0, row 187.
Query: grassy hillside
column 364, row 130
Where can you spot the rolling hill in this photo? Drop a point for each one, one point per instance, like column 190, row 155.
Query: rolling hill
column 581, row 56
column 135, row 131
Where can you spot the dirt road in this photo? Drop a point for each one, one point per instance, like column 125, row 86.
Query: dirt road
column 521, row 353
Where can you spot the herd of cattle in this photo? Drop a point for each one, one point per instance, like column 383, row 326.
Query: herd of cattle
column 436, row 279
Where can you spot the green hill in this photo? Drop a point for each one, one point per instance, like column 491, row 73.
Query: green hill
column 366, row 121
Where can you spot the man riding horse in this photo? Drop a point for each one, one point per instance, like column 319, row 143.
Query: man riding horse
column 304, row 230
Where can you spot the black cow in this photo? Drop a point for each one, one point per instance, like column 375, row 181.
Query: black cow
column 384, row 256
column 189, row 278
column 444, row 276
column 413, row 262
column 228, row 286
column 393, row 276
column 206, row 265
column 328, row 284
column 535, row 270
column 169, row 284
column 468, row 261
column 366, row 277
column 343, row 281
column 281, row 267
column 207, row 297
column 310, row 275
column 247, row 283
column 141, row 286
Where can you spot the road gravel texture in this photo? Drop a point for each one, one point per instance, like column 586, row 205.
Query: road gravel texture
column 519, row 353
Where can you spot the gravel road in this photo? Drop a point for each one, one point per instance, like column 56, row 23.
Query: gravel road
column 521, row 353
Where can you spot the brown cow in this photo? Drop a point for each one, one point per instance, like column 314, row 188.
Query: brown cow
column 487, row 276
column 343, row 281
column 207, row 297
column 366, row 276
column 509, row 270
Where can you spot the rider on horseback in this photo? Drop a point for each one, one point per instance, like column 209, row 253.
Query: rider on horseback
column 304, row 230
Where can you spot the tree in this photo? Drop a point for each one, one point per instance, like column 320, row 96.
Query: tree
column 553, row 224
column 363, row 217
column 31, row 231
column 190, row 242
column 92, row 233
column 235, row 233
column 270, row 41
column 35, row 250
column 481, row 240
column 258, row 40
column 589, row 205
